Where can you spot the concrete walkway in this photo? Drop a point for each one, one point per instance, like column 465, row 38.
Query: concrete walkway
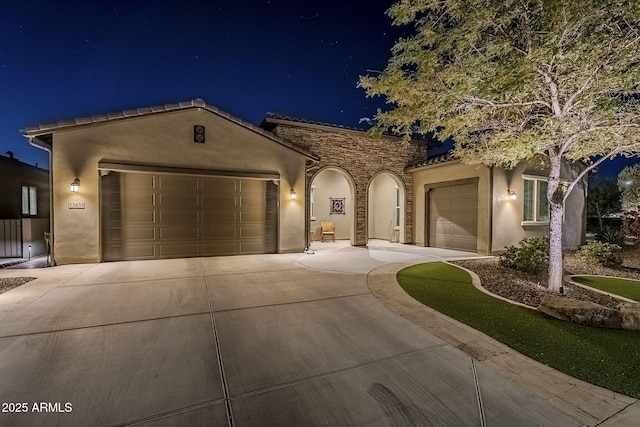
column 323, row 339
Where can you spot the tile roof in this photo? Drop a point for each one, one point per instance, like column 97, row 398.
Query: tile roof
column 48, row 128
column 441, row 158
column 271, row 118
column 277, row 116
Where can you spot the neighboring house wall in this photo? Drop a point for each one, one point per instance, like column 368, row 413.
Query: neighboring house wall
column 14, row 175
column 156, row 140
column 362, row 157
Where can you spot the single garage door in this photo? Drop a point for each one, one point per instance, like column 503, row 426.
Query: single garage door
column 453, row 217
column 153, row 216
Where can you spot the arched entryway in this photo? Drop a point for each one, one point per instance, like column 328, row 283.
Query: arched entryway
column 386, row 208
column 332, row 198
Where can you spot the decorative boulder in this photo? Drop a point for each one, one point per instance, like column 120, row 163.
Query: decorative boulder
column 581, row 312
column 630, row 313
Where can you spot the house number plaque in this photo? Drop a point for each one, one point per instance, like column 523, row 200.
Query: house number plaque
column 76, row 205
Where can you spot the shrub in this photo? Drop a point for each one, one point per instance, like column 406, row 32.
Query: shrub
column 531, row 257
column 606, row 254
column 611, row 235
column 631, row 222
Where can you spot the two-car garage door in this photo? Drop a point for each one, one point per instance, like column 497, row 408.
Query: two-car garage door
column 453, row 216
column 152, row 216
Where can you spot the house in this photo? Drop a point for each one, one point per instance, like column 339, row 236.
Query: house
column 24, row 208
column 186, row 179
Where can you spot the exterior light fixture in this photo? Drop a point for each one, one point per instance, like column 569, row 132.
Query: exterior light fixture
column 75, row 185
column 293, row 194
column 512, row 195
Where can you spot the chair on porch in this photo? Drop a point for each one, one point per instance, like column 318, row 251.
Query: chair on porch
column 327, row 228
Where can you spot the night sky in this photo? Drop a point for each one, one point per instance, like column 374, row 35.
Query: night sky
column 65, row 59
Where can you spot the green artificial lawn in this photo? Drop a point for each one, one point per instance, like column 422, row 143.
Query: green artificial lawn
column 623, row 287
column 605, row 357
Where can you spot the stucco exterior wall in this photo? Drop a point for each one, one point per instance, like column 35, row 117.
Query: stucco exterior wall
column 448, row 172
column 164, row 139
column 362, row 157
column 500, row 219
column 508, row 224
column 382, row 207
column 330, row 183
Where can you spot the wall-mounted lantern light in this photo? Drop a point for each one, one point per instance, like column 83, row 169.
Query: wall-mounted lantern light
column 293, row 194
column 512, row 194
column 75, row 185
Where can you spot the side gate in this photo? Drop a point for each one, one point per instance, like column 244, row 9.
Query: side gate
column 10, row 238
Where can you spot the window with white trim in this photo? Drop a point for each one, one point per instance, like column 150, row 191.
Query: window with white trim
column 29, row 200
column 535, row 203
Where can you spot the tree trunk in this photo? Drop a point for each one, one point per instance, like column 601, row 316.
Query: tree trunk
column 555, row 247
column 556, row 208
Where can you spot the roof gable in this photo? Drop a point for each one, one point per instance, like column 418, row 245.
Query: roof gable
column 44, row 131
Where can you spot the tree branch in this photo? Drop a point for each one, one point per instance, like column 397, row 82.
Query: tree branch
column 569, row 104
column 577, row 135
column 553, row 87
column 510, row 104
column 586, row 171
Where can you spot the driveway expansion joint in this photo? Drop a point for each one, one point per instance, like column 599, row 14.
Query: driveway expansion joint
column 126, row 322
column 335, row 372
column 223, row 378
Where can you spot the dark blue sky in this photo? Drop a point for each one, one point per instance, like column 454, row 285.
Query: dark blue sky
column 65, row 59
column 62, row 59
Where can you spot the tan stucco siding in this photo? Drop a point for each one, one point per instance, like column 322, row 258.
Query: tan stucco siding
column 509, row 228
column 451, row 172
column 164, row 140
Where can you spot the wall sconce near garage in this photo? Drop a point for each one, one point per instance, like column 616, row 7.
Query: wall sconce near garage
column 198, row 134
column 75, row 186
column 293, row 194
column 512, row 195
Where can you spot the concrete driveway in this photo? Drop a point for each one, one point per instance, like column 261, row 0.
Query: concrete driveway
column 249, row 340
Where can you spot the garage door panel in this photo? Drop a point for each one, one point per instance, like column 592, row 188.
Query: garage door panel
column 215, row 202
column 178, row 216
column 167, row 233
column 252, row 232
column 221, row 232
column 139, row 199
column 138, row 251
column 141, row 233
column 179, row 201
column 248, row 202
column 139, row 181
column 253, row 215
column 179, row 184
column 165, row 216
column 219, row 248
column 453, row 217
column 178, row 250
column 252, row 247
column 218, row 217
column 220, row 185
column 137, row 216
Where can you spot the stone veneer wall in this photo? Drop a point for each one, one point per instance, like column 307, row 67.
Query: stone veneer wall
column 362, row 157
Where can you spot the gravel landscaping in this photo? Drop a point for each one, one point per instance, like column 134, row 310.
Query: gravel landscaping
column 6, row 284
column 530, row 290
